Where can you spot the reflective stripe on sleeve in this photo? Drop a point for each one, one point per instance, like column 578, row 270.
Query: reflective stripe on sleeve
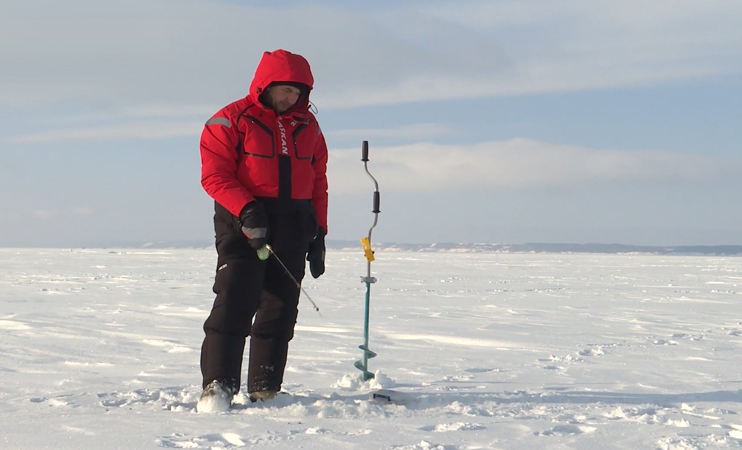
column 219, row 121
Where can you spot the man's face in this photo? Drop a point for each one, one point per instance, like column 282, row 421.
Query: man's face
column 283, row 97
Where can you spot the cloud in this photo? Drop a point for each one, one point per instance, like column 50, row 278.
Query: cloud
column 122, row 132
column 417, row 131
column 85, row 51
column 45, row 214
column 53, row 214
column 164, row 130
column 170, row 111
column 516, row 164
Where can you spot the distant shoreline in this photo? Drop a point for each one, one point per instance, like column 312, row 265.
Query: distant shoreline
column 447, row 247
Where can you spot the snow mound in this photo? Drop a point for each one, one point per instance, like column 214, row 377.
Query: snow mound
column 355, row 382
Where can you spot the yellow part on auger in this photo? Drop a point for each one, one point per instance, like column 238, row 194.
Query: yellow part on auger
column 367, row 249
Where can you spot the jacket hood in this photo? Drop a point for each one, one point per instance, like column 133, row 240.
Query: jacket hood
column 281, row 65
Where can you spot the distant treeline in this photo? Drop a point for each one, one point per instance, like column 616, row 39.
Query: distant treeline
column 550, row 248
column 478, row 248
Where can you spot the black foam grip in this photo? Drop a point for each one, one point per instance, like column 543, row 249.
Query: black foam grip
column 364, row 158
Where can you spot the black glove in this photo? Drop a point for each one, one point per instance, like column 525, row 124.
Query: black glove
column 254, row 223
column 316, row 254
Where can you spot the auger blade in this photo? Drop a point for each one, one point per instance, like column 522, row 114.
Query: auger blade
column 369, row 353
column 366, row 374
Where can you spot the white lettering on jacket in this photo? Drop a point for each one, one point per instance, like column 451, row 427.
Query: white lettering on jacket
column 284, row 145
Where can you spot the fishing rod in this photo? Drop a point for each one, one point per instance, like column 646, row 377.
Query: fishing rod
column 265, row 251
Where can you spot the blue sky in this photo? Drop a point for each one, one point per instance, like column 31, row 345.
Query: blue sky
column 489, row 121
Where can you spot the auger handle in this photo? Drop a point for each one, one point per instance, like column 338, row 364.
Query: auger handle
column 377, row 195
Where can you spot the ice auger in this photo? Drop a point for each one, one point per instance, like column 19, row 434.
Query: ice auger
column 362, row 365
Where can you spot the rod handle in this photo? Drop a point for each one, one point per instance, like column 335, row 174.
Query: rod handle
column 377, row 202
column 364, row 151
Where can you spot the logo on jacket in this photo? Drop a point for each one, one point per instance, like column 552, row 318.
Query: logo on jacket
column 284, row 145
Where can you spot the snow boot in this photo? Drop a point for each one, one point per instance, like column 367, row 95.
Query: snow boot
column 216, row 397
column 263, row 396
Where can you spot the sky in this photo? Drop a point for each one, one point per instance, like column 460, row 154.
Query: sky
column 488, row 121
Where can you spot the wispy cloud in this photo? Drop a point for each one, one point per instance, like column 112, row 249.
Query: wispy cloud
column 55, row 214
column 417, row 131
column 171, row 111
column 45, row 214
column 164, row 130
column 518, row 164
column 123, row 132
column 411, row 52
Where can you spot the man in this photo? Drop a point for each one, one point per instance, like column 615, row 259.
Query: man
column 264, row 162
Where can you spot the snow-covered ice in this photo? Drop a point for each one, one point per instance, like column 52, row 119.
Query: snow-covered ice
column 100, row 349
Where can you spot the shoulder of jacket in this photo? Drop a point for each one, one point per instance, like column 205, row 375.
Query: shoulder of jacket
column 313, row 118
column 229, row 115
column 233, row 110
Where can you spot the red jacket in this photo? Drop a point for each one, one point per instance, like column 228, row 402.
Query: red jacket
column 248, row 150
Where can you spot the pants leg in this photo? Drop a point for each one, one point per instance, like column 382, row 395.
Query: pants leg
column 274, row 324
column 238, row 285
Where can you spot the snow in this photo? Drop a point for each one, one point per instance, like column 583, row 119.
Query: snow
column 100, row 349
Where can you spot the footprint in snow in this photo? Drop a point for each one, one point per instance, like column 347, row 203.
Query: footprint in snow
column 482, row 370
column 664, row 342
column 423, row 445
column 221, row 440
column 175, row 398
column 567, row 359
column 690, row 337
column 695, row 442
column 49, row 401
column 566, row 430
column 593, row 351
column 447, row 427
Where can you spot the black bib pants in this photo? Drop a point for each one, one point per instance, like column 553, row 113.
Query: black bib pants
column 249, row 289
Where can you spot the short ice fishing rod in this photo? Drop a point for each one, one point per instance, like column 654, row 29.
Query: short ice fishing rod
column 362, row 365
column 265, row 251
